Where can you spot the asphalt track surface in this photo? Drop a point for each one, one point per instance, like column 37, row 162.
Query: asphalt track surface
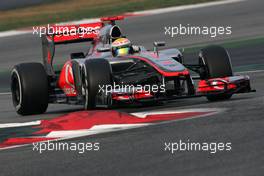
column 141, row 151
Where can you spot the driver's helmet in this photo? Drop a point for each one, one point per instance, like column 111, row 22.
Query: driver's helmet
column 121, row 47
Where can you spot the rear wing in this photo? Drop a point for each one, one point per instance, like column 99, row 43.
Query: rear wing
column 73, row 33
column 64, row 34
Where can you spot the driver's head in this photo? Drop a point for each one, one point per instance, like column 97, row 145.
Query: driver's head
column 121, row 47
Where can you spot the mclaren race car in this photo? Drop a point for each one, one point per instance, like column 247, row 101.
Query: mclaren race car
column 102, row 78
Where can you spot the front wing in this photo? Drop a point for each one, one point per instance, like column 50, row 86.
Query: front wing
column 220, row 86
column 227, row 85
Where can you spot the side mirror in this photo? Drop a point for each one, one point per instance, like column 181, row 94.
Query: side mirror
column 159, row 43
column 103, row 49
column 182, row 50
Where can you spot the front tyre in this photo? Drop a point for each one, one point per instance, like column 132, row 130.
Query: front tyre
column 29, row 87
column 98, row 73
column 217, row 65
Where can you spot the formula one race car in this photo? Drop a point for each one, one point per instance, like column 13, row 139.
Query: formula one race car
column 100, row 77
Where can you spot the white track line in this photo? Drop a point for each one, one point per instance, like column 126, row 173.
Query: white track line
column 185, row 7
column 145, row 12
column 146, row 113
column 5, row 93
column 97, row 129
column 23, row 124
column 14, row 33
column 251, row 71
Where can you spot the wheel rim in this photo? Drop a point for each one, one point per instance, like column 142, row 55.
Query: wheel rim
column 15, row 88
column 86, row 91
column 86, row 95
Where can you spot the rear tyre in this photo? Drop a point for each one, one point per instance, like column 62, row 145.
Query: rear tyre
column 98, row 72
column 29, row 87
column 217, row 65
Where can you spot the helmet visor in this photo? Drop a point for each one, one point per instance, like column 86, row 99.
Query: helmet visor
column 122, row 51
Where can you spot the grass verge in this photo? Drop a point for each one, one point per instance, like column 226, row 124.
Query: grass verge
column 67, row 10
